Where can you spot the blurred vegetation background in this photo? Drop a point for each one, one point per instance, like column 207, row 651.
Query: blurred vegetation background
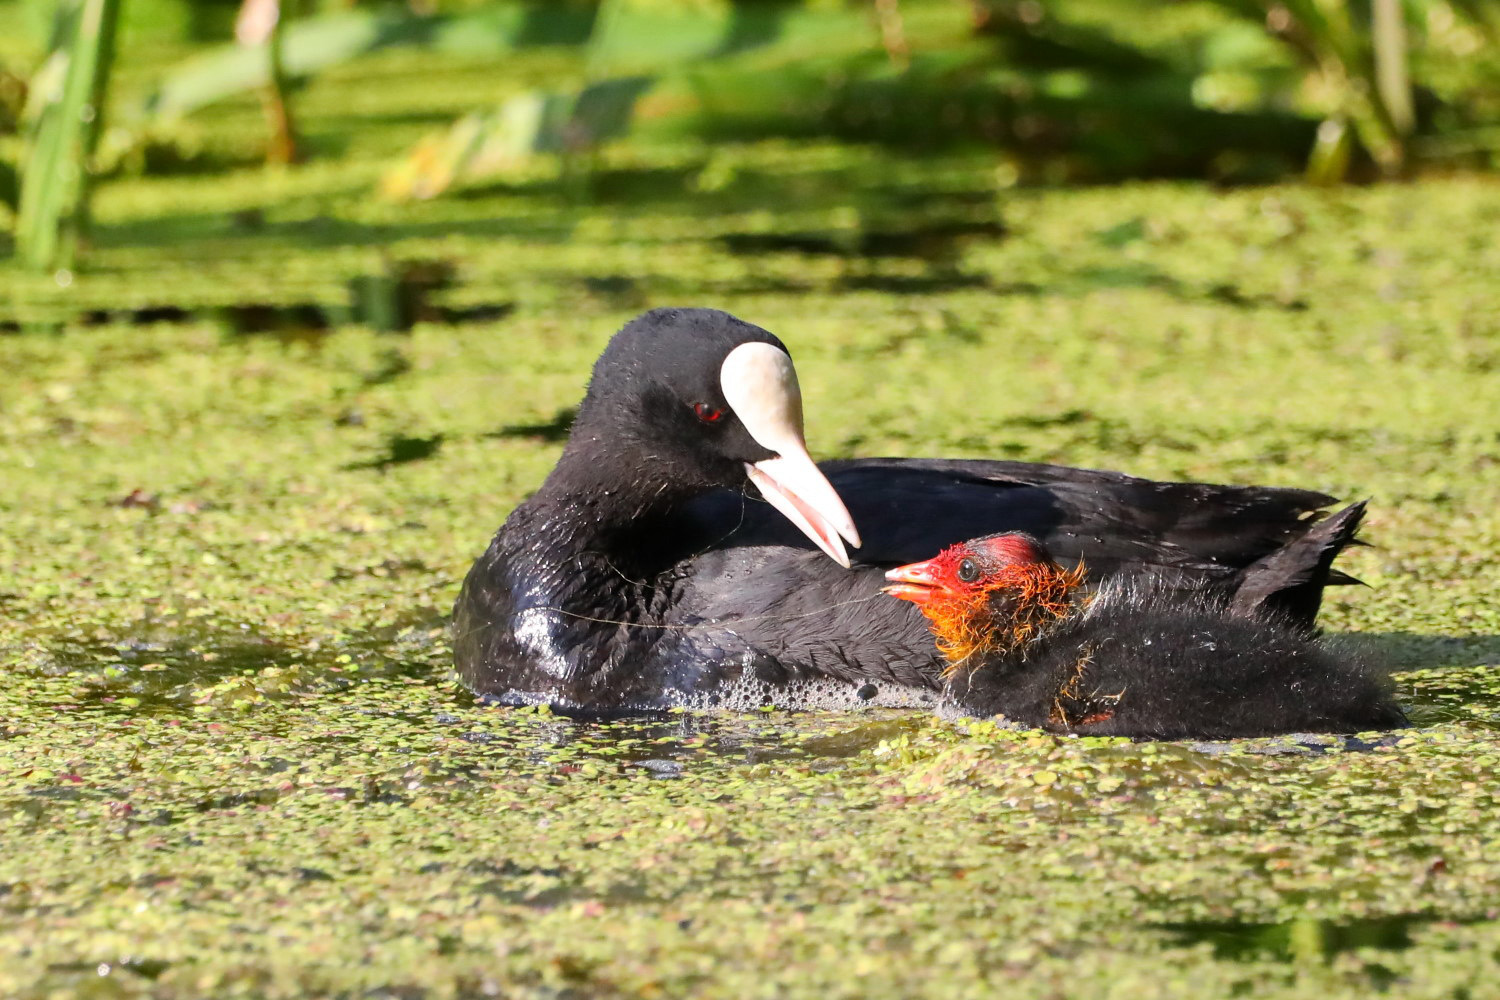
column 296, row 302
column 1054, row 91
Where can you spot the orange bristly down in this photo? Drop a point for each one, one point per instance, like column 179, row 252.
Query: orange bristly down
column 965, row 625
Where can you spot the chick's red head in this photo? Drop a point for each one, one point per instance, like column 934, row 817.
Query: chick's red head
column 987, row 594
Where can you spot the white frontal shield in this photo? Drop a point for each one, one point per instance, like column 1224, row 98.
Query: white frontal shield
column 760, row 385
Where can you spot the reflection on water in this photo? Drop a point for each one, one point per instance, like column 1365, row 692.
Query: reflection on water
column 173, row 667
column 397, row 682
column 1464, row 695
column 665, row 747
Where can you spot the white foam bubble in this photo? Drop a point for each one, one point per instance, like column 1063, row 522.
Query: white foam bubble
column 822, row 694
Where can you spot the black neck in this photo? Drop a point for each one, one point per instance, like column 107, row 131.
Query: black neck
column 604, row 516
column 590, row 552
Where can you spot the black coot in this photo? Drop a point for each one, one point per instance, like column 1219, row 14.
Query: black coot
column 1025, row 640
column 645, row 574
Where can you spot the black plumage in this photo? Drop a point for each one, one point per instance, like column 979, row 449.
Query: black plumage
column 643, row 574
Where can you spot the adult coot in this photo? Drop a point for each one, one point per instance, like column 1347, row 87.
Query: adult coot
column 1023, row 639
column 645, row 573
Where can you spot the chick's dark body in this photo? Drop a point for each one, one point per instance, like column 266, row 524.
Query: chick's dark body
column 1142, row 663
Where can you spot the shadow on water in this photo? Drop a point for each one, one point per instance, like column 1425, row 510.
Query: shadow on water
column 399, row 450
column 165, row 667
column 393, row 298
column 148, row 969
column 915, row 284
column 629, row 186
column 1439, row 679
column 1302, row 939
column 547, row 431
column 937, row 240
column 1306, row 940
column 157, row 669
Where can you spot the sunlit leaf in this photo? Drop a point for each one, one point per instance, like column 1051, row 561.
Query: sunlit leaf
column 664, row 62
column 318, row 43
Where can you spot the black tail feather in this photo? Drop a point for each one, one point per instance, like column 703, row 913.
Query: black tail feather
column 1288, row 583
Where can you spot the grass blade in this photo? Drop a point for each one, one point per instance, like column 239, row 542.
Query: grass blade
column 55, row 179
column 262, row 26
column 1392, row 76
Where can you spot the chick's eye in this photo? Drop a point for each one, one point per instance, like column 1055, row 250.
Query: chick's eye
column 968, row 571
column 708, row 413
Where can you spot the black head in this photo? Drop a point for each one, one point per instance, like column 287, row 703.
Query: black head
column 684, row 400
column 656, row 394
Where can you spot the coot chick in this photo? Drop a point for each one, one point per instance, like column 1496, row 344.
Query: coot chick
column 645, row 573
column 1024, row 639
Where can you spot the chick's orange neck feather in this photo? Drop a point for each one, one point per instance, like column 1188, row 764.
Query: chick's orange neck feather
column 967, row 620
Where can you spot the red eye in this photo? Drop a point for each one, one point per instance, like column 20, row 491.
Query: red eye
column 708, row 414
